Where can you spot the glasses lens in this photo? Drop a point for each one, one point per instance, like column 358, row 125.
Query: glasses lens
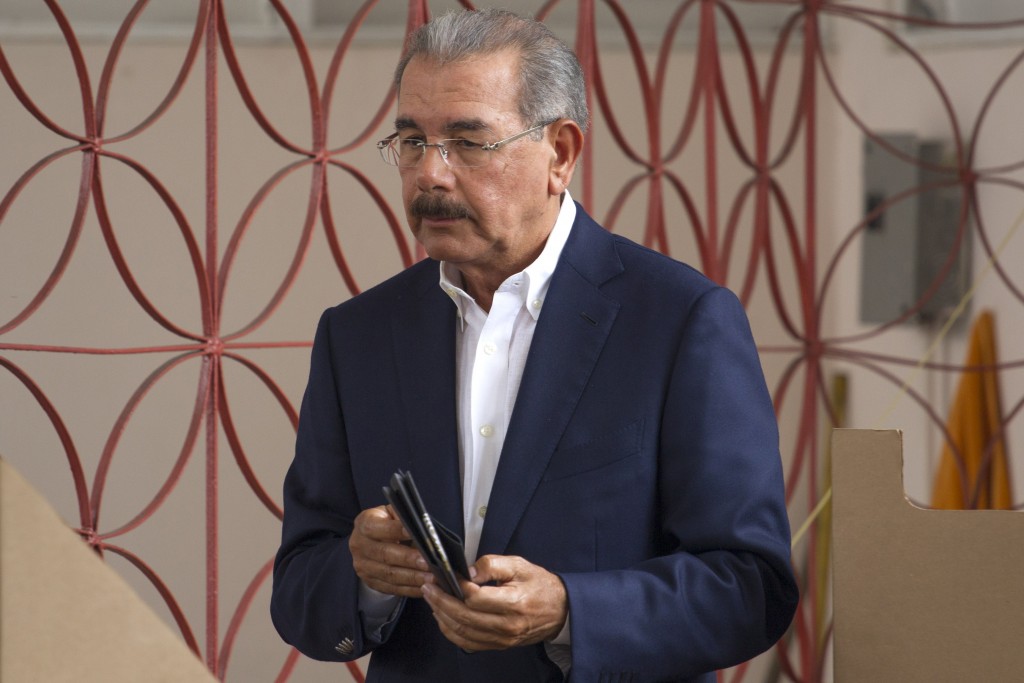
column 388, row 152
column 465, row 153
column 457, row 153
column 407, row 152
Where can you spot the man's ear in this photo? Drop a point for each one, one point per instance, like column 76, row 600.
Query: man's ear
column 567, row 141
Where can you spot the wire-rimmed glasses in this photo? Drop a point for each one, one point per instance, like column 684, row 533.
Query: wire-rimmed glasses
column 456, row 152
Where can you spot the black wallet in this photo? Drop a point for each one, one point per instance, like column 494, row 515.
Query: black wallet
column 442, row 548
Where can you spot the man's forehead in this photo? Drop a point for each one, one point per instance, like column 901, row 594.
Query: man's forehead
column 475, row 92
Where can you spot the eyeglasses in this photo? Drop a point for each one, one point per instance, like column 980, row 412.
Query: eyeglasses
column 456, row 152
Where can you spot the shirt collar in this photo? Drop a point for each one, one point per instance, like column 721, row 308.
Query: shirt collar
column 536, row 277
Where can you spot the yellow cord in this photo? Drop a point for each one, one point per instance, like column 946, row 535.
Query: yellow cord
column 953, row 317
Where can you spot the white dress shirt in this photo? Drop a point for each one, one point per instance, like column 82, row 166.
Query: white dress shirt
column 490, row 354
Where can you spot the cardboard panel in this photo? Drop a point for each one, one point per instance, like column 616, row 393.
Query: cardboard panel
column 65, row 616
column 919, row 595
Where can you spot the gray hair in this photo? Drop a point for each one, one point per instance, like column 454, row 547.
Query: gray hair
column 550, row 77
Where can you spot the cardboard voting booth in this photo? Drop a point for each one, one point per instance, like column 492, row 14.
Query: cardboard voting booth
column 65, row 616
column 919, row 595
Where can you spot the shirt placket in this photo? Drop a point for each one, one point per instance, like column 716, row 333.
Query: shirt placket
column 489, row 412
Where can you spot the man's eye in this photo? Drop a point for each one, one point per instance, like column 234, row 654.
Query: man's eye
column 463, row 143
column 410, row 143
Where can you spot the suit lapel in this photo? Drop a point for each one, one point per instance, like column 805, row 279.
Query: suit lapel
column 571, row 332
column 423, row 329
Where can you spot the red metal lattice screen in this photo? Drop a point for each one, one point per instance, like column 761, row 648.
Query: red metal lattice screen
column 711, row 143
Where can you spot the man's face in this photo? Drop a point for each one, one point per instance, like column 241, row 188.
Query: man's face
column 499, row 215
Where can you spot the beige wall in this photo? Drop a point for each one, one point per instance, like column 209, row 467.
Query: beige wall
column 892, row 94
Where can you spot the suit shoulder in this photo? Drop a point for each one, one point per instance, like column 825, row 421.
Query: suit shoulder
column 664, row 271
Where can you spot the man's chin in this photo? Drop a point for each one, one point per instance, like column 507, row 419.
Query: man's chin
column 440, row 245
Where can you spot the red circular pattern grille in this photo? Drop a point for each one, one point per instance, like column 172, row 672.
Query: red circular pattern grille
column 716, row 157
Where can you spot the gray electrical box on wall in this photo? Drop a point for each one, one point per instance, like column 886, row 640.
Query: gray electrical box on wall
column 906, row 247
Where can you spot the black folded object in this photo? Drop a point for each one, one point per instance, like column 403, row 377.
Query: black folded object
column 442, row 548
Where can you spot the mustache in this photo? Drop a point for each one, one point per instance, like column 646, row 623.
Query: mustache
column 437, row 206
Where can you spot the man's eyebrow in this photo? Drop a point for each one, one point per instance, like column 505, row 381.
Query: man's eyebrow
column 405, row 123
column 467, row 124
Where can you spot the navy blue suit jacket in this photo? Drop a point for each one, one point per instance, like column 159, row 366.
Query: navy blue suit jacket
column 641, row 465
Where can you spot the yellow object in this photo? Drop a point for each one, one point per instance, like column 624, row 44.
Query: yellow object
column 974, row 472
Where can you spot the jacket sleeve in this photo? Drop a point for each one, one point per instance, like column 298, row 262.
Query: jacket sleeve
column 724, row 591
column 314, row 603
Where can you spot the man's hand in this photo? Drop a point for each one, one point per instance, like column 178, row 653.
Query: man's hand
column 382, row 557
column 527, row 605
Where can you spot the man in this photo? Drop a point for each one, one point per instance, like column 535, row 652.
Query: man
column 590, row 415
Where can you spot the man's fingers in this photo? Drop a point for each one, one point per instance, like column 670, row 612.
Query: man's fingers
column 381, row 557
column 394, row 581
column 527, row 605
column 467, row 628
column 501, row 569
column 378, row 524
column 402, row 571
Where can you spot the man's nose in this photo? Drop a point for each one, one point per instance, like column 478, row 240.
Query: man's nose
column 432, row 169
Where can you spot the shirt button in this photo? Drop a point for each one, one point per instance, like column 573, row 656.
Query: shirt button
column 482, row 511
column 490, row 348
column 486, row 430
column 536, row 303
